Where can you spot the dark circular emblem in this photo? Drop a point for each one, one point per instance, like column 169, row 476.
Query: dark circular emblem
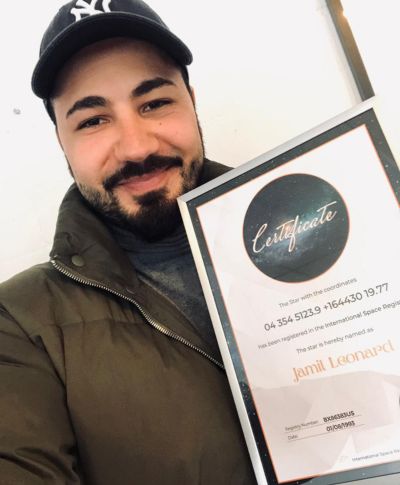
column 295, row 228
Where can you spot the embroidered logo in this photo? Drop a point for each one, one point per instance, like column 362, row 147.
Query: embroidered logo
column 87, row 8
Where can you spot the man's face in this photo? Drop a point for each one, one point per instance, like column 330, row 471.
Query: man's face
column 127, row 125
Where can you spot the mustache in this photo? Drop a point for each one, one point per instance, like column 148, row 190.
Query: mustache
column 133, row 169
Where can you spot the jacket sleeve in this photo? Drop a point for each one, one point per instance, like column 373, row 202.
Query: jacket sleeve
column 37, row 444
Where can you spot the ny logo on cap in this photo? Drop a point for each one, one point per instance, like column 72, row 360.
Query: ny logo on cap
column 87, row 8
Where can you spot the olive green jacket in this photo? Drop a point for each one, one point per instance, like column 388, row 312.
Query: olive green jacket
column 102, row 380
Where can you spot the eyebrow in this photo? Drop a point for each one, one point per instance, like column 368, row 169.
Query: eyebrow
column 85, row 103
column 98, row 101
column 147, row 86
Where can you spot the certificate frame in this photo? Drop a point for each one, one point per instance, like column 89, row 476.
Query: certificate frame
column 350, row 49
column 362, row 115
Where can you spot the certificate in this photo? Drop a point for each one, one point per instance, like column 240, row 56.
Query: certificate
column 298, row 256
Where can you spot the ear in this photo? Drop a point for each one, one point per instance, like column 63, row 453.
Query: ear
column 59, row 139
column 62, row 148
column 193, row 96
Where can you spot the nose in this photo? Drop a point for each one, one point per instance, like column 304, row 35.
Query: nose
column 135, row 140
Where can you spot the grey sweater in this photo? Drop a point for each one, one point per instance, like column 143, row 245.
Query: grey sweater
column 168, row 266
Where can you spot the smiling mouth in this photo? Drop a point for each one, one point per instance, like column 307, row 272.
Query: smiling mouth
column 139, row 184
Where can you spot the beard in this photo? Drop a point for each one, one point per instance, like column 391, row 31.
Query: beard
column 158, row 214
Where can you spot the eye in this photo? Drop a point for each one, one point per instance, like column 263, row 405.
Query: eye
column 156, row 104
column 91, row 122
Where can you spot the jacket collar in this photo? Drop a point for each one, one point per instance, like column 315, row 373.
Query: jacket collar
column 86, row 248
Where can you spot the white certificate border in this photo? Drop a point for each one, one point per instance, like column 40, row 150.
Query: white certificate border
column 188, row 204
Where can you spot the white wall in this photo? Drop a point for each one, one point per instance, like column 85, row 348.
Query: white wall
column 264, row 72
column 375, row 25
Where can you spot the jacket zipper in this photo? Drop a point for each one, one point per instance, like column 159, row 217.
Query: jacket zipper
column 150, row 320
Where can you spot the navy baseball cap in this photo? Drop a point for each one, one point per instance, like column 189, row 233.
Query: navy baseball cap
column 80, row 23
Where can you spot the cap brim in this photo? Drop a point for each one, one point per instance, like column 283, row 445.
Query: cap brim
column 99, row 27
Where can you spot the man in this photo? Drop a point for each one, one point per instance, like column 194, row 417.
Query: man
column 109, row 369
